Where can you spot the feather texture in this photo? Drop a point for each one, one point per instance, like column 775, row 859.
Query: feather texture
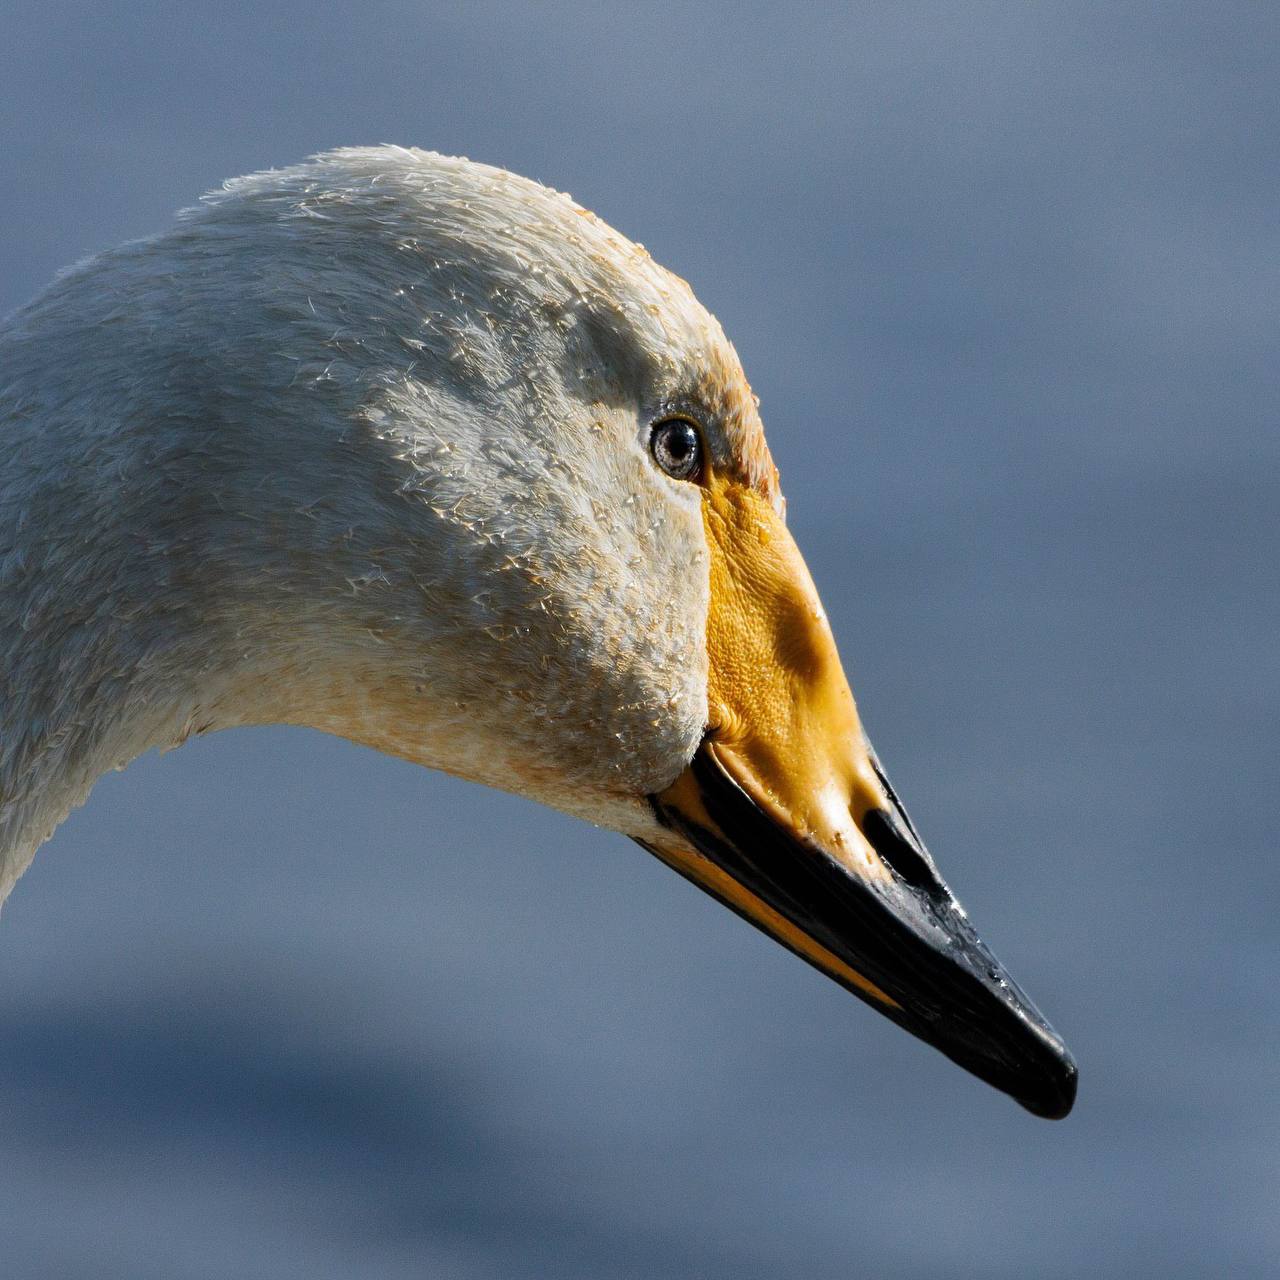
column 362, row 445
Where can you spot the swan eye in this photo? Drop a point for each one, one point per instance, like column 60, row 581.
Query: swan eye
column 677, row 448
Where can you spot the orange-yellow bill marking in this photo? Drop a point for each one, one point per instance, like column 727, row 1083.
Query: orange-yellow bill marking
column 785, row 722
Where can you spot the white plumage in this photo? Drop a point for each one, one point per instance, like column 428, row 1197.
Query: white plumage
column 358, row 444
column 371, row 444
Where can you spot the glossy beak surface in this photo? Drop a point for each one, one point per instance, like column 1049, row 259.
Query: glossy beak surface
column 786, row 817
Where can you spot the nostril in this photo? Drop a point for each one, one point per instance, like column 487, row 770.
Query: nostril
column 898, row 850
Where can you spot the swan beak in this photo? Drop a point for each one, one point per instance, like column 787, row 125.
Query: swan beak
column 786, row 817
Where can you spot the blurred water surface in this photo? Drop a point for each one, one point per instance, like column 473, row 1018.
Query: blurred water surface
column 1006, row 280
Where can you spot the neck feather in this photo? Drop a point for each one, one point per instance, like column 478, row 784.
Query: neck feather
column 99, row 662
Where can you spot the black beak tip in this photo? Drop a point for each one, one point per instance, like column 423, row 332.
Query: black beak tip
column 1055, row 1093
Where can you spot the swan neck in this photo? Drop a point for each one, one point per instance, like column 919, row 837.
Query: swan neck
column 104, row 653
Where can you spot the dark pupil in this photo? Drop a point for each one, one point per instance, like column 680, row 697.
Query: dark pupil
column 679, row 443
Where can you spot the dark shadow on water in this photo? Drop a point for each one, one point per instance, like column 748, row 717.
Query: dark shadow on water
column 397, row 1156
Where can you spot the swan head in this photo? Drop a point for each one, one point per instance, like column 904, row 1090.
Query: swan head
column 441, row 463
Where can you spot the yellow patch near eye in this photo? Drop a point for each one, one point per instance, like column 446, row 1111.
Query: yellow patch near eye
column 783, row 718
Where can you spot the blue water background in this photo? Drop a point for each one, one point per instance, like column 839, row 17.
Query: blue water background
column 1006, row 278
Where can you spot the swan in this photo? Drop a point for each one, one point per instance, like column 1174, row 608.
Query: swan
column 415, row 451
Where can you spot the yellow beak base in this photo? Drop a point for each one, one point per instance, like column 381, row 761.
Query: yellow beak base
column 785, row 816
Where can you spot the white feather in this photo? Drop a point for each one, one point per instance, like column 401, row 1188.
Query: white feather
column 361, row 445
